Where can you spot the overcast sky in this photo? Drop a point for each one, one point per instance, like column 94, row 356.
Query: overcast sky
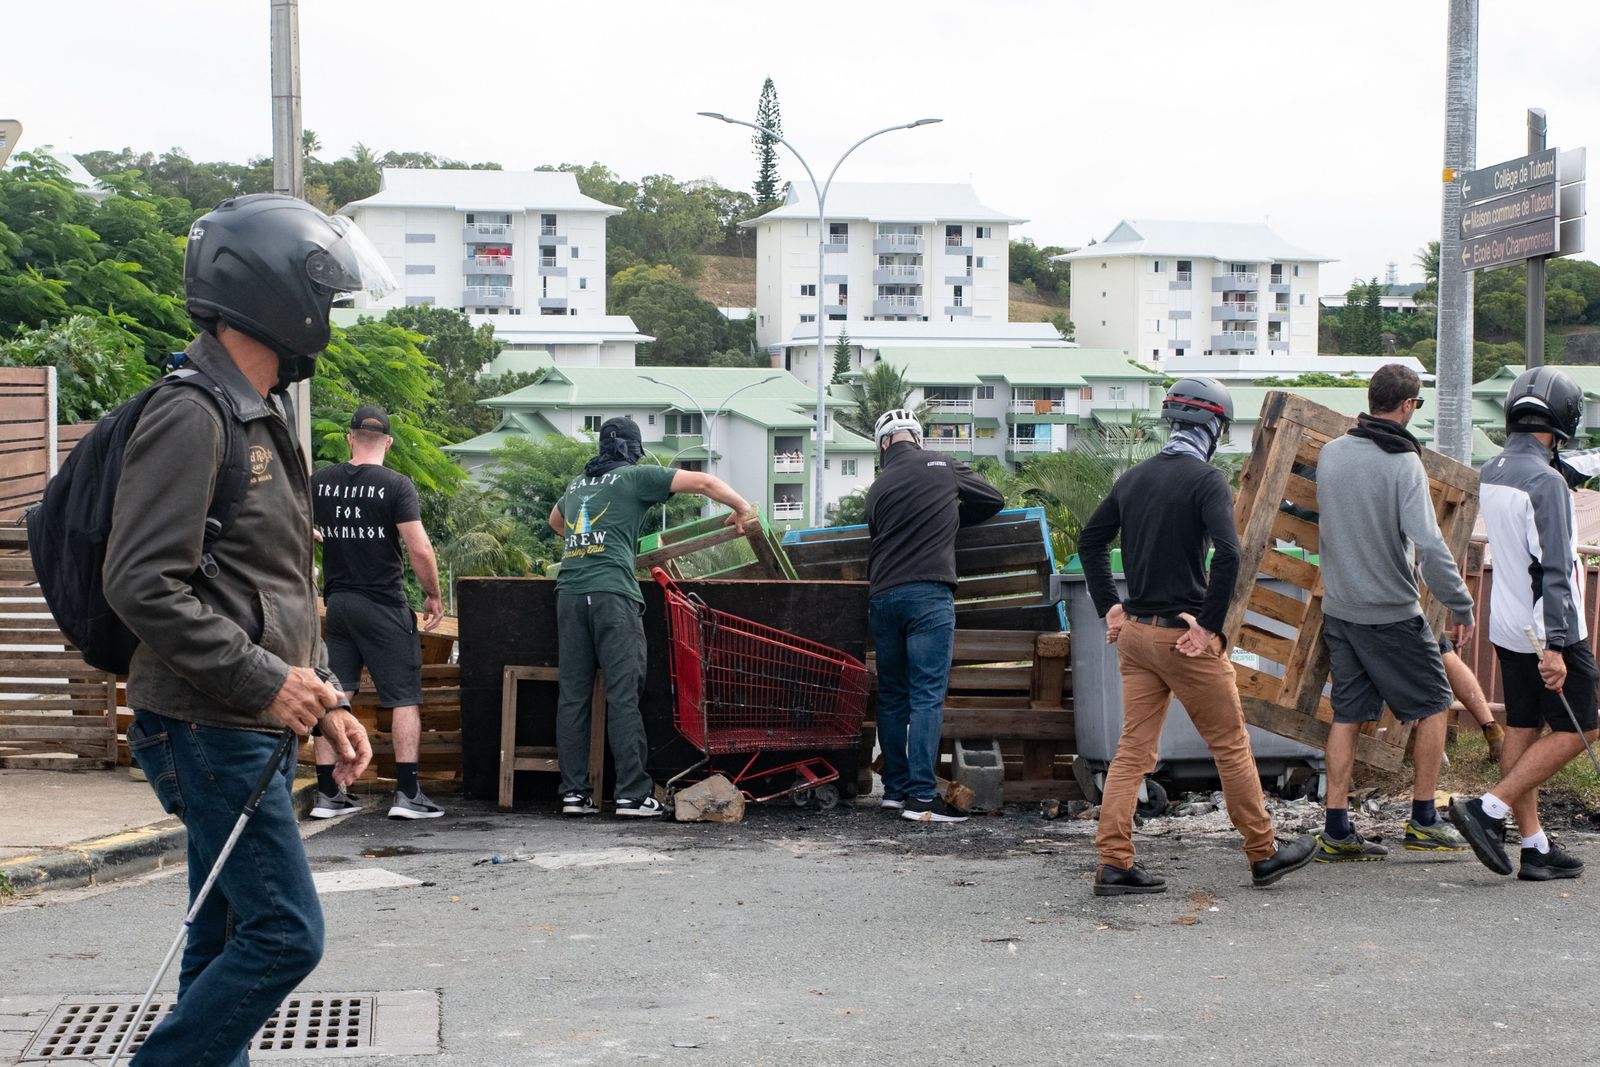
column 1325, row 119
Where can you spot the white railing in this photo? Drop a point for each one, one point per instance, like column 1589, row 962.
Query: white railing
column 838, row 238
column 1242, row 309
column 1275, row 279
column 488, row 292
column 1029, row 444
column 790, row 510
column 1031, row 407
column 496, row 263
column 547, row 230
column 954, row 240
column 938, row 404
column 1183, row 275
column 1241, row 280
column 547, row 261
column 1280, row 309
column 490, row 229
column 901, row 270
column 949, row 444
column 910, row 240
column 788, row 464
column 1237, row 337
column 896, row 300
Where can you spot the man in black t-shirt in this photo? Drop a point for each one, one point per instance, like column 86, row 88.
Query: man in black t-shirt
column 364, row 512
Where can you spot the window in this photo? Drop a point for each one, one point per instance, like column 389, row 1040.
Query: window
column 583, row 283
column 574, row 251
column 1086, row 393
column 591, row 423
column 1297, row 270
column 978, row 262
column 985, row 232
column 983, row 392
column 1178, row 352
column 419, row 268
column 650, row 420
column 808, row 318
column 1302, row 300
column 1155, row 353
column 808, row 290
column 1117, row 393
column 1158, row 325
column 847, row 467
column 419, row 238
column 1185, row 266
column 689, row 425
column 1155, row 266
column 419, row 301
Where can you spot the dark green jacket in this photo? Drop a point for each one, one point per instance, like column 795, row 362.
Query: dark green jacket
column 213, row 651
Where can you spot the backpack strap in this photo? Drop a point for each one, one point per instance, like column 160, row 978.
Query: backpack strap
column 233, row 477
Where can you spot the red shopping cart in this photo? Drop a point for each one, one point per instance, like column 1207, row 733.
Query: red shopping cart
column 741, row 687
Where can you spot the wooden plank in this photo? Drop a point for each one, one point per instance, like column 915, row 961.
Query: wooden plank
column 1301, row 492
column 1008, row 723
column 971, row 679
column 999, row 585
column 1254, row 639
column 1284, row 567
column 13, row 664
column 597, row 738
column 994, row 646
column 10, row 703
column 31, row 637
column 89, row 731
column 1285, row 527
column 1266, row 472
column 1276, row 606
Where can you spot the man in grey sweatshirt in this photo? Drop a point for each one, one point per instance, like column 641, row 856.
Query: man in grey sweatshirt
column 1377, row 528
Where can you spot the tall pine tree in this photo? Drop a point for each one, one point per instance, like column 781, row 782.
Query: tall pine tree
column 767, row 181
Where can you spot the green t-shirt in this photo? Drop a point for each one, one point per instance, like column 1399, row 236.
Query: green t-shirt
column 603, row 516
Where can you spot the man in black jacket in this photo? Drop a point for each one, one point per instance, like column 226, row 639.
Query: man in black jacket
column 914, row 508
column 1170, row 509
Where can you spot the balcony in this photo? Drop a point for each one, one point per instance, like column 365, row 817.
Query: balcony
column 489, row 296
column 477, row 233
column 1234, row 339
column 899, row 274
column 488, row 265
column 1039, row 406
column 836, row 309
column 553, row 302
column 1029, row 444
column 1278, row 344
column 949, row 444
column 897, row 305
column 956, row 245
column 903, row 244
column 788, row 463
column 958, row 310
column 1230, row 310
column 948, row 405
column 958, row 279
column 1181, row 279
column 1277, row 283
column 788, row 509
column 1278, row 313
column 550, row 267
column 1232, row 283
column 837, row 242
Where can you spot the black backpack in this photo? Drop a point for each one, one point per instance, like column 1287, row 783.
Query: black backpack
column 69, row 528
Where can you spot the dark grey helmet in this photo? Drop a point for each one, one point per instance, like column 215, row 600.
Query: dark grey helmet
column 269, row 266
column 1197, row 401
column 1544, row 400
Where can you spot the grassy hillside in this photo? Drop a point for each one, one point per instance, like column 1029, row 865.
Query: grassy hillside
column 1038, row 307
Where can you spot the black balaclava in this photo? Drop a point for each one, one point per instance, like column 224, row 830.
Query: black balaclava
column 620, row 446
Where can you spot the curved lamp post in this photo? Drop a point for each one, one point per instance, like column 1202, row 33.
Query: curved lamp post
column 817, row 504
column 706, row 424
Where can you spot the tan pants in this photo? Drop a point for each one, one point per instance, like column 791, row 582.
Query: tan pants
column 1153, row 672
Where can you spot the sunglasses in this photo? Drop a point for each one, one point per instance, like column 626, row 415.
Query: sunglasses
column 1417, row 400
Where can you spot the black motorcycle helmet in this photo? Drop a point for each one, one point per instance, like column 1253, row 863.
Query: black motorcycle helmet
column 269, row 266
column 1544, row 400
column 1197, row 401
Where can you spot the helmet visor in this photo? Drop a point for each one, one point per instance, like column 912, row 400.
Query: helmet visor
column 350, row 264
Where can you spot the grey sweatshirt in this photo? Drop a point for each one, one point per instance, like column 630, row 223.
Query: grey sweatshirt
column 1377, row 525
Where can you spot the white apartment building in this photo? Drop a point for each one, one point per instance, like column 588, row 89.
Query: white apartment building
column 893, row 252
column 522, row 250
column 1165, row 290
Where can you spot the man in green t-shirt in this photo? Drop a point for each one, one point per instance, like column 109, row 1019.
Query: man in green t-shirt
column 600, row 610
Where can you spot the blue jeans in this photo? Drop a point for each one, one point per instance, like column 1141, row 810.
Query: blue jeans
column 913, row 632
column 260, row 931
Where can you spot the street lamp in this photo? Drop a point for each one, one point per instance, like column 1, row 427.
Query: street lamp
column 817, row 509
column 706, row 424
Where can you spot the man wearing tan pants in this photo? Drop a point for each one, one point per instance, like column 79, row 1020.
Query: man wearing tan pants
column 1170, row 510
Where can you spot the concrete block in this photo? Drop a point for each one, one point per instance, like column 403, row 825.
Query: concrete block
column 714, row 800
column 980, row 767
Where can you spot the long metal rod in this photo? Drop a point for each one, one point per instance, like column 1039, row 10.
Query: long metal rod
column 1534, row 321
column 279, row 753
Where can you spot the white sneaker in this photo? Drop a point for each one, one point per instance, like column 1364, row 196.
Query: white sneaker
column 935, row 810
column 892, row 803
column 578, row 804
column 648, row 808
column 334, row 807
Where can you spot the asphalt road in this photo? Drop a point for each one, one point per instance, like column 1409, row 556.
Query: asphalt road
column 857, row 938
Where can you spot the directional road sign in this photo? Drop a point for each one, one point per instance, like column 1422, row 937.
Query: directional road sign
column 1511, row 246
column 1530, row 205
column 1514, row 175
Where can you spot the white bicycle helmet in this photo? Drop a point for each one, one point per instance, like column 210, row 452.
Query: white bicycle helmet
column 898, row 420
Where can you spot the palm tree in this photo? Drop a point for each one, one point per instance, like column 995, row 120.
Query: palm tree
column 310, row 145
column 1070, row 485
column 1428, row 259
column 881, row 387
column 478, row 537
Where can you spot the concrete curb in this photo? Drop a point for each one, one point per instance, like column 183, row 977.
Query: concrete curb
column 106, row 859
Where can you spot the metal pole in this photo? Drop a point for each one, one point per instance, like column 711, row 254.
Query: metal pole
column 1453, row 425
column 1534, row 323
column 288, row 157
column 706, row 424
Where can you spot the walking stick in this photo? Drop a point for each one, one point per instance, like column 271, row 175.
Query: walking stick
column 1538, row 650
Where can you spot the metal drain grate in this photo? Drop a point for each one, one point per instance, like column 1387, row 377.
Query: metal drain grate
column 306, row 1025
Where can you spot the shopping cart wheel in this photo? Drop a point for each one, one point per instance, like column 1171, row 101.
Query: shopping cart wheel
column 801, row 797
column 826, row 796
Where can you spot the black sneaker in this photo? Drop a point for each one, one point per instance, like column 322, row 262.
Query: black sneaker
column 1547, row 866
column 1482, row 833
column 578, row 804
column 935, row 810
column 1288, row 859
column 1112, row 881
column 648, row 808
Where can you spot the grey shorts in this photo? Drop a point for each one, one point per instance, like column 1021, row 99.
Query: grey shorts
column 1393, row 663
column 381, row 637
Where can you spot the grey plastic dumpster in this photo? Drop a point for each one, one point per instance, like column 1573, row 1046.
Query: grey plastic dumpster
column 1182, row 754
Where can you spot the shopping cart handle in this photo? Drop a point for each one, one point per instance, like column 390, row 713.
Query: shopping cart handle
column 663, row 579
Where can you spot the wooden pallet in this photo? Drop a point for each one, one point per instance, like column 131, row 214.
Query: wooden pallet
column 1290, row 439
column 56, row 712
column 1003, row 568
column 671, row 547
column 439, row 748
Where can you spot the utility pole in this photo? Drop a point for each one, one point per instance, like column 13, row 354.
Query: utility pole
column 1534, row 323
column 1453, row 425
column 288, row 158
